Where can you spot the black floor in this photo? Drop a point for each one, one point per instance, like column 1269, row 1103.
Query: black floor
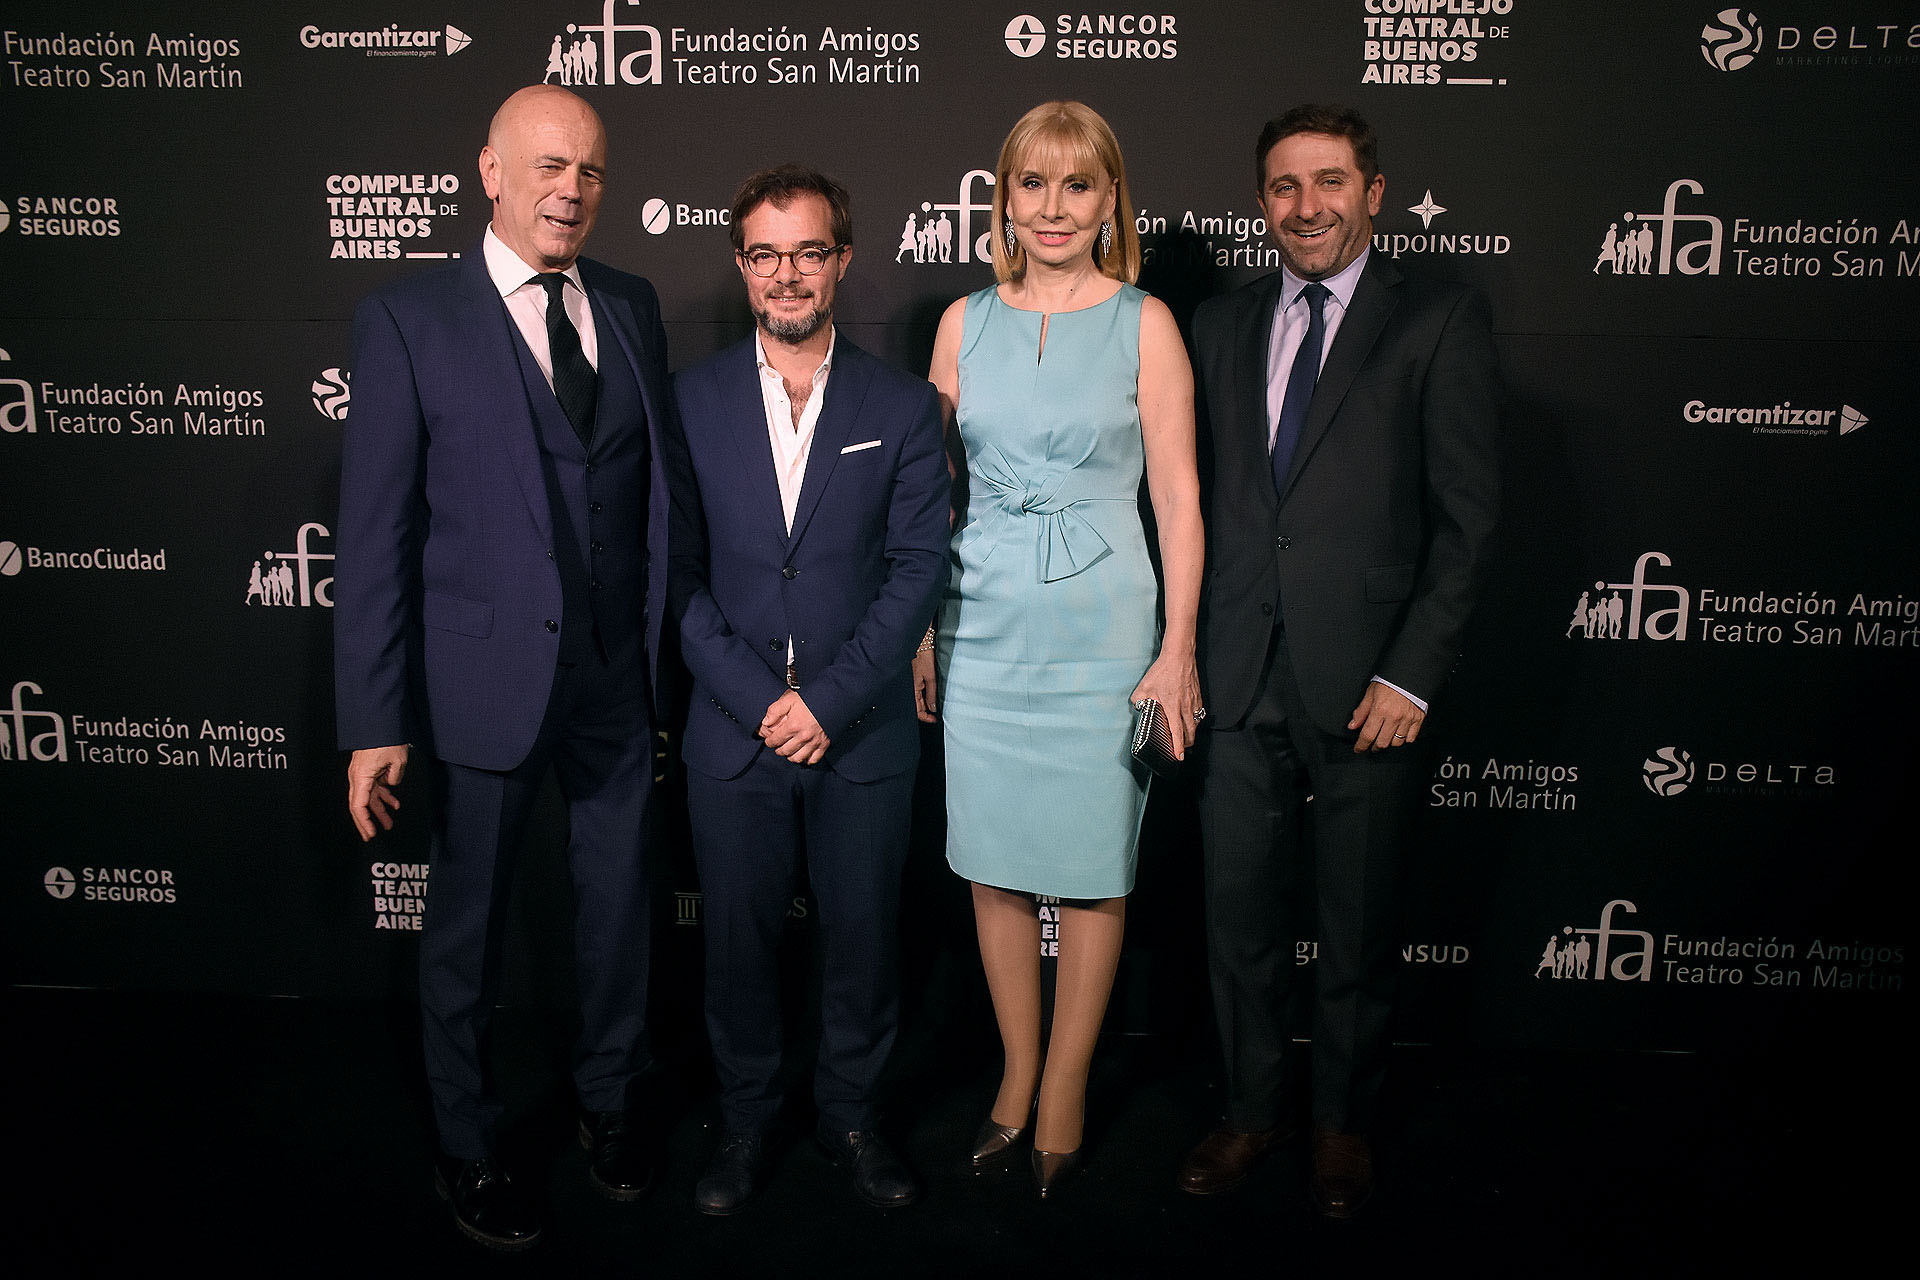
column 271, row 1137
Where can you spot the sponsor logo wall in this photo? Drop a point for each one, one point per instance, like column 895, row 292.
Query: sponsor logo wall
column 1702, row 592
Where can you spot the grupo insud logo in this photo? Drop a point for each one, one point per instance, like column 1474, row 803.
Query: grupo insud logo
column 1731, row 39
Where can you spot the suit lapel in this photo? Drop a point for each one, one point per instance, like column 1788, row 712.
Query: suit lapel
column 618, row 313
column 1250, row 389
column 744, row 417
column 1373, row 302
column 500, row 347
column 846, row 390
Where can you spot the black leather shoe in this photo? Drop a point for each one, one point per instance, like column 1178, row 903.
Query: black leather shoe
column 993, row 1144
column 1225, row 1157
column 732, row 1176
column 878, row 1176
column 622, row 1167
column 1053, row 1170
column 487, row 1206
column 1342, row 1173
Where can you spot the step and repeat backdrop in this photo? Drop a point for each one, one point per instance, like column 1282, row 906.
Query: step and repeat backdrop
column 1671, row 791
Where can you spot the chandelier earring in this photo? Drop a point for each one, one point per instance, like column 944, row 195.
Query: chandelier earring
column 1106, row 238
column 1013, row 245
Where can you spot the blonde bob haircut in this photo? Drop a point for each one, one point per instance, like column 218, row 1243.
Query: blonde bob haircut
column 1073, row 136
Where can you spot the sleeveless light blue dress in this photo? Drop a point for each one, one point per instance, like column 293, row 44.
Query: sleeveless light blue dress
column 1049, row 620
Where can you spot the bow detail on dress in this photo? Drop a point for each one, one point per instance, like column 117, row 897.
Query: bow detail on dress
column 1066, row 543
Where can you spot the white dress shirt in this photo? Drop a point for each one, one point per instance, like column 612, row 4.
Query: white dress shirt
column 1291, row 316
column 792, row 442
column 526, row 301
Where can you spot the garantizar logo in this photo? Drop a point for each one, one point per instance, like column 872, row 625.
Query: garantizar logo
column 659, row 216
column 1026, row 36
column 1109, row 37
column 1781, row 419
column 286, row 577
column 1668, row 771
column 21, row 739
column 1731, row 39
column 59, row 882
column 930, row 235
column 332, row 393
column 1601, row 953
column 1603, row 614
column 577, row 59
column 390, row 41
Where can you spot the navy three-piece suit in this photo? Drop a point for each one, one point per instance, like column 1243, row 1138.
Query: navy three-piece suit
column 498, row 604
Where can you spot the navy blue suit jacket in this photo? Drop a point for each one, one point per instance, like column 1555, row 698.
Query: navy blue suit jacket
column 854, row 585
column 444, row 585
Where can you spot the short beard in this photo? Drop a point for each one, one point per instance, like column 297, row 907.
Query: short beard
column 794, row 332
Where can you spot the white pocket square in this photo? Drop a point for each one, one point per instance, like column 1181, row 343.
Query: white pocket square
column 855, row 448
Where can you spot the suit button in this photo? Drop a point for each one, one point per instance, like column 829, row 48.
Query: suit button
column 789, row 573
column 1283, row 542
column 592, row 467
column 1267, row 609
column 552, row 625
column 595, row 507
column 774, row 643
column 594, row 585
column 549, row 553
column 597, row 547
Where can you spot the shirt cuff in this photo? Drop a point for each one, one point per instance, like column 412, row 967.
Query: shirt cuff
column 1403, row 693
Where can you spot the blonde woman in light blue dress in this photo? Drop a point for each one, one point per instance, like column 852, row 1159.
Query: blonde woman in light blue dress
column 1063, row 385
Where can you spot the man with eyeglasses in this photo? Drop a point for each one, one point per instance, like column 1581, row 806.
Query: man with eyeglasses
column 811, row 493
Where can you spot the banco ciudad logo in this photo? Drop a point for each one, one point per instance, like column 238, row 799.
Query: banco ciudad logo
column 1731, row 39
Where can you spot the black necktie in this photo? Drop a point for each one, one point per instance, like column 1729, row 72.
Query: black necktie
column 575, row 384
column 1300, row 380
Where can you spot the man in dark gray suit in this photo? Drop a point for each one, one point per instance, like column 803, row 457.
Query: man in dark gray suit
column 1352, row 483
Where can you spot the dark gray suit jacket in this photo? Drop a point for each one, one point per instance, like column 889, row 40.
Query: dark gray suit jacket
column 1374, row 549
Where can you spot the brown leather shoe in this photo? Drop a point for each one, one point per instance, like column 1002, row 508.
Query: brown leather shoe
column 1342, row 1173
column 1225, row 1157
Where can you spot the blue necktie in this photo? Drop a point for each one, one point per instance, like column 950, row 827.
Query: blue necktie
column 1300, row 380
column 575, row 384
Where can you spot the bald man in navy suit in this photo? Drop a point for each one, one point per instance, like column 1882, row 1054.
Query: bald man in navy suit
column 498, row 607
